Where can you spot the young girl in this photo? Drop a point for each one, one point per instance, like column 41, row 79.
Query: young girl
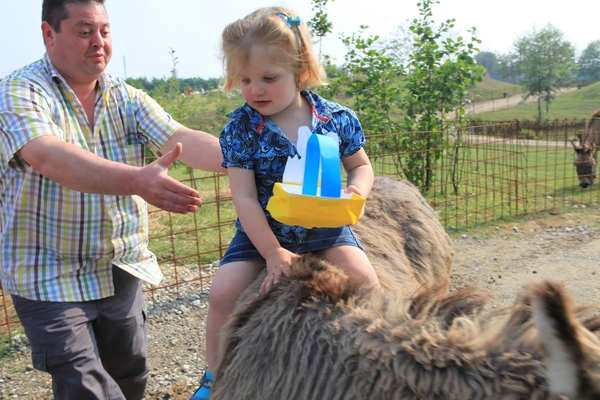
column 268, row 56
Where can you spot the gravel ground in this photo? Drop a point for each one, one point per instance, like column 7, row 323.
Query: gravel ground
column 499, row 260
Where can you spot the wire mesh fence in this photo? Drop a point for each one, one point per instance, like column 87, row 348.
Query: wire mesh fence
column 471, row 176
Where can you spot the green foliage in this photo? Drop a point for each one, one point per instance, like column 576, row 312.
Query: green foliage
column 546, row 61
column 206, row 112
column 372, row 81
column 319, row 24
column 180, row 110
column 441, row 69
column 334, row 71
column 489, row 61
column 387, row 99
column 4, row 345
column 196, row 84
column 588, row 64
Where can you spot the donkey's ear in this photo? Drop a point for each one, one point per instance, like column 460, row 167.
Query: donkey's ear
column 574, row 145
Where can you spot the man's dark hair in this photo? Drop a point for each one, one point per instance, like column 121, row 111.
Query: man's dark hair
column 54, row 11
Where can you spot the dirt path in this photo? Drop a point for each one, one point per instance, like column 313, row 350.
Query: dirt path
column 502, row 260
column 508, row 102
column 482, row 139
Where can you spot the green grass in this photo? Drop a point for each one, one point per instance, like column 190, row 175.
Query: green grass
column 581, row 103
column 200, row 237
column 489, row 89
column 501, row 181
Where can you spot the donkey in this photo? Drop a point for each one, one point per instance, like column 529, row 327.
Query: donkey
column 586, row 152
column 403, row 238
column 318, row 335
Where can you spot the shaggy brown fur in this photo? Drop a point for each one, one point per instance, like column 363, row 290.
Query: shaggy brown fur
column 316, row 335
column 404, row 241
column 572, row 351
column 403, row 237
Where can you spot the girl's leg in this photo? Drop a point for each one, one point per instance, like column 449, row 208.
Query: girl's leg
column 229, row 282
column 353, row 261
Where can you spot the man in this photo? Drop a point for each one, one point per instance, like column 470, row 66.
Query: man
column 74, row 190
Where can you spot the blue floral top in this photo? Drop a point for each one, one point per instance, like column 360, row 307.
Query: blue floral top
column 253, row 141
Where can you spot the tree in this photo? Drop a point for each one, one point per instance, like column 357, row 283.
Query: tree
column 588, row 64
column 546, row 61
column 399, row 45
column 371, row 79
column 489, row 61
column 432, row 86
column 509, row 68
column 319, row 25
column 441, row 69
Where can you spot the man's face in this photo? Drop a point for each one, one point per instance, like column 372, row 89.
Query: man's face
column 82, row 48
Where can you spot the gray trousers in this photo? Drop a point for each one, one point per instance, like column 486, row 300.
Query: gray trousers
column 94, row 349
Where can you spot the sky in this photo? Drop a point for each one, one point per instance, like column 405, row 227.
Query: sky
column 145, row 31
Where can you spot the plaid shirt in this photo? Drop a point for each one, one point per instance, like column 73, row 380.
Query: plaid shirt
column 58, row 244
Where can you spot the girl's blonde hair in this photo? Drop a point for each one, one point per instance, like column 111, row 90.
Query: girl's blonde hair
column 286, row 42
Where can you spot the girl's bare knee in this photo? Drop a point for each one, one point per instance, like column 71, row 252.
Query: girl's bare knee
column 220, row 299
column 354, row 262
column 369, row 277
column 229, row 282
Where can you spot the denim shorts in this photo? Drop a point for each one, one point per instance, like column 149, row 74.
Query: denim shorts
column 242, row 249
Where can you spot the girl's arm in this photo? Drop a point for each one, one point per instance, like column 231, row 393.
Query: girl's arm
column 252, row 217
column 360, row 173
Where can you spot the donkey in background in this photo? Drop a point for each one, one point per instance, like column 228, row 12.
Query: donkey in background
column 586, row 152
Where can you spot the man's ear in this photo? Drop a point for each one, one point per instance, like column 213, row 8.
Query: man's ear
column 47, row 33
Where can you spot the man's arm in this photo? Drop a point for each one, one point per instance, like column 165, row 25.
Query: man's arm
column 201, row 150
column 80, row 170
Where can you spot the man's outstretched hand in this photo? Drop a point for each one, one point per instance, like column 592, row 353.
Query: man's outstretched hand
column 164, row 192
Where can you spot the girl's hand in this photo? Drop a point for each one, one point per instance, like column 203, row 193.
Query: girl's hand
column 354, row 189
column 278, row 263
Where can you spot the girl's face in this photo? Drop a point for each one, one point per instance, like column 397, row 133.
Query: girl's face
column 268, row 88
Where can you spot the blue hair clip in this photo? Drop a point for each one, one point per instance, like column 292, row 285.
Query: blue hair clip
column 289, row 20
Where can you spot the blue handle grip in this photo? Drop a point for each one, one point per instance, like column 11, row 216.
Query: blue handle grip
column 323, row 150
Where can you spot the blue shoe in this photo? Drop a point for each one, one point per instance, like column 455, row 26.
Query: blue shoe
column 203, row 392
